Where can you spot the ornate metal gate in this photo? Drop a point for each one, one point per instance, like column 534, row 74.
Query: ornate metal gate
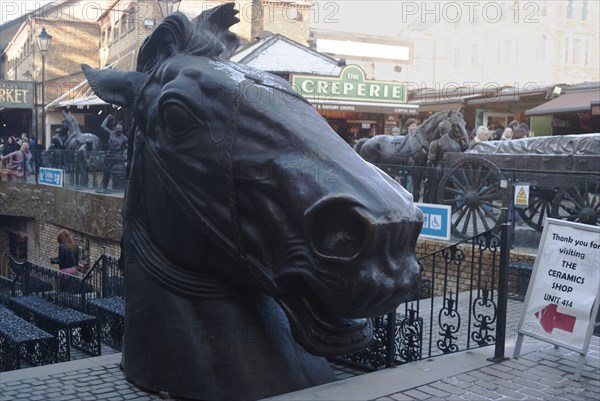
column 457, row 308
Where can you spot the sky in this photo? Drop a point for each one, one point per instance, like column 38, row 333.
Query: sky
column 11, row 9
column 380, row 17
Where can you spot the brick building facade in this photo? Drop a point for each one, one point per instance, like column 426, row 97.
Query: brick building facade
column 101, row 33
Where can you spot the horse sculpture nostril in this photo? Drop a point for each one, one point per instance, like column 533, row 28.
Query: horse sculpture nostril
column 336, row 231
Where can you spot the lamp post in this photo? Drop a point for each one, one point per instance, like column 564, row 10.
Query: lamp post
column 34, row 116
column 43, row 42
column 168, row 7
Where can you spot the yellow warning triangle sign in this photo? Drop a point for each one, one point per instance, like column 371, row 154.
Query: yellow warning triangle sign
column 521, row 194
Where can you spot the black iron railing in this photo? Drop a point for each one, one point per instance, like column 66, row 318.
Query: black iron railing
column 459, row 307
column 97, row 170
column 103, row 279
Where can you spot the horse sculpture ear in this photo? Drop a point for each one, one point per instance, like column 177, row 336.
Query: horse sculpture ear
column 218, row 20
column 115, row 87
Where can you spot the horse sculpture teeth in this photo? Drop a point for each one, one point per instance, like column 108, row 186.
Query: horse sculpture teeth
column 322, row 333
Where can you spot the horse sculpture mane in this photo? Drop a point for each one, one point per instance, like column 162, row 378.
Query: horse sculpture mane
column 243, row 269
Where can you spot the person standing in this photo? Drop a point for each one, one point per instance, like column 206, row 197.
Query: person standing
column 10, row 146
column 84, row 158
column 117, row 143
column 18, row 161
column 68, row 253
column 411, row 125
column 373, row 131
column 507, row 135
column 483, row 135
column 33, row 162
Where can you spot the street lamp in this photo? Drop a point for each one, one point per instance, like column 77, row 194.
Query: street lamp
column 34, row 116
column 43, row 41
column 168, row 7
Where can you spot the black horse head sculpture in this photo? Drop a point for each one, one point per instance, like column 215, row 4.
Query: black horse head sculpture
column 252, row 232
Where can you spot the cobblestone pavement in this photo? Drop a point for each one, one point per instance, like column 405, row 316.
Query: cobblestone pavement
column 546, row 374
column 543, row 374
column 86, row 380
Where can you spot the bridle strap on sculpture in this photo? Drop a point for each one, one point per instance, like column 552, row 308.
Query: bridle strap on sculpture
column 236, row 248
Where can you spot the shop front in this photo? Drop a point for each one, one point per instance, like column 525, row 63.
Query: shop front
column 493, row 107
column 353, row 105
column 17, row 99
column 574, row 110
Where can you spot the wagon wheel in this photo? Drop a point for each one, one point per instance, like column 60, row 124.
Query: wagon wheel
column 540, row 206
column 579, row 203
column 472, row 187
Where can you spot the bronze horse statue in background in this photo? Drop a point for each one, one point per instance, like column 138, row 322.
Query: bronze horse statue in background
column 412, row 149
column 242, row 268
column 70, row 137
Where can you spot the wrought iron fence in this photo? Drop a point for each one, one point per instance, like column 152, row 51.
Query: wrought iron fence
column 95, row 170
column 97, row 292
column 457, row 308
column 103, row 279
column 112, row 277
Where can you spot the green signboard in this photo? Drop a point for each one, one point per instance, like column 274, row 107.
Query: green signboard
column 350, row 85
column 16, row 94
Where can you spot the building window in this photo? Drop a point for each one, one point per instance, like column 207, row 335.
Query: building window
column 124, row 28
column 457, row 57
column 584, row 10
column 566, row 51
column 508, row 59
column 541, row 48
column 116, row 32
column 131, row 17
column 545, row 8
column 570, row 9
column 576, row 51
column 499, row 53
column 475, row 61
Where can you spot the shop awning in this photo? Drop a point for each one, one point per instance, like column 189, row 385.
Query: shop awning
column 440, row 107
column 82, row 94
column 440, row 101
column 82, row 102
column 365, row 107
column 569, row 102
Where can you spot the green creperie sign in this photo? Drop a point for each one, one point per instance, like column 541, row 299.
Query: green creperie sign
column 351, row 85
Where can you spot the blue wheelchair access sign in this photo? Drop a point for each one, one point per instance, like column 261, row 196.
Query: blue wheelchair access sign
column 436, row 221
column 51, row 176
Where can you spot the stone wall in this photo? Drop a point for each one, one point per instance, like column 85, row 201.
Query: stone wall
column 39, row 212
column 468, row 272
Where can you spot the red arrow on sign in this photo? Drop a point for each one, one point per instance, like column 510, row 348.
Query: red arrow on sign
column 551, row 319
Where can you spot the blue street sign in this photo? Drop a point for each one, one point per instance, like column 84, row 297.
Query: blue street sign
column 436, row 221
column 51, row 176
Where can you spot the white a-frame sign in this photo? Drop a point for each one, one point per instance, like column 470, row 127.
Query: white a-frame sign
column 564, row 291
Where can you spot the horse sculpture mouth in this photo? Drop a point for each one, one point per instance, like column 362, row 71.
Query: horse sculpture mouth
column 319, row 331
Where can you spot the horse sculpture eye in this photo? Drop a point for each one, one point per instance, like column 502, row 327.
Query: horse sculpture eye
column 177, row 118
